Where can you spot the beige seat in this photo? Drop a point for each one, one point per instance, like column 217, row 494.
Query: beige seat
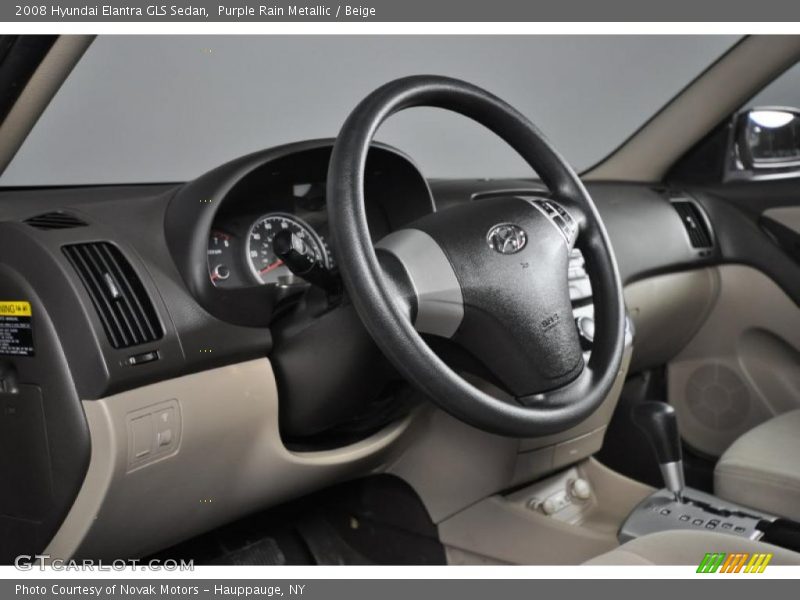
column 688, row 548
column 762, row 468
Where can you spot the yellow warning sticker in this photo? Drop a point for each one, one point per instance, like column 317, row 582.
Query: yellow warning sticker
column 16, row 328
column 15, row 308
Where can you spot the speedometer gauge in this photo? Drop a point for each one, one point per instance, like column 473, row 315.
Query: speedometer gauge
column 264, row 264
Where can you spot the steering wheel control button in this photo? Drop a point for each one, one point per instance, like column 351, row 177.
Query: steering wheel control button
column 507, row 238
column 586, row 330
column 559, row 217
column 580, row 288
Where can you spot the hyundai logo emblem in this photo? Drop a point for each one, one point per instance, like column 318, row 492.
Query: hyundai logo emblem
column 506, row 238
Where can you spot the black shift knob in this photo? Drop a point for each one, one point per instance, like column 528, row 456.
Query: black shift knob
column 659, row 422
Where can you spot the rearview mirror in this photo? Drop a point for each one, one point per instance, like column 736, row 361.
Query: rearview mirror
column 768, row 139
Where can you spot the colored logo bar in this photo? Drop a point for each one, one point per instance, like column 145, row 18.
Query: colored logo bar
column 737, row 562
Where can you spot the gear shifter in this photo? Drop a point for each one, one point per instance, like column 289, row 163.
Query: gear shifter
column 658, row 421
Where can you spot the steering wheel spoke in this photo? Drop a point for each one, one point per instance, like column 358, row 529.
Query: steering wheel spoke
column 423, row 280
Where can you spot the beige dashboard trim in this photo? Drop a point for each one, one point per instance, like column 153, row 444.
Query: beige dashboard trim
column 229, row 461
column 667, row 311
column 452, row 465
column 504, row 529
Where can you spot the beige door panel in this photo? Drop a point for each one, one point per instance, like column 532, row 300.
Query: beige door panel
column 743, row 365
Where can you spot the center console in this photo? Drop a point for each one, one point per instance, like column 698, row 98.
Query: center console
column 676, row 507
column 695, row 511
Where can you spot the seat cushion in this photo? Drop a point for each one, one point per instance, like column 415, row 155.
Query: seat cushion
column 688, row 548
column 762, row 468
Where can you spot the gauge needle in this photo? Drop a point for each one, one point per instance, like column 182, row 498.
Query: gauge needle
column 272, row 267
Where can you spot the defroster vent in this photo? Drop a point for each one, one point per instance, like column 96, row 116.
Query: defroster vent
column 699, row 235
column 121, row 301
column 55, row 220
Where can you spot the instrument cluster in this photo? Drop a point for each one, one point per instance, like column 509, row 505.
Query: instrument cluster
column 241, row 249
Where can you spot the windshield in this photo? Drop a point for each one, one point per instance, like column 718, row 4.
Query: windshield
column 140, row 109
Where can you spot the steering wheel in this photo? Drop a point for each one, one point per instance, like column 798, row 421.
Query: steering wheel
column 490, row 275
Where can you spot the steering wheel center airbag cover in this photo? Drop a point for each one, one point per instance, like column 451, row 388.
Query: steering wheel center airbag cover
column 517, row 312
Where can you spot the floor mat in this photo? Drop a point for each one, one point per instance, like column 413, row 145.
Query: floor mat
column 265, row 552
column 376, row 520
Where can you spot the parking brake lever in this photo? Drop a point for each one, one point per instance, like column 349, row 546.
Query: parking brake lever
column 297, row 257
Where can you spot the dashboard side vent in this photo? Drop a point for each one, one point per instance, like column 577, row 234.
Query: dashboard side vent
column 55, row 220
column 118, row 295
column 695, row 224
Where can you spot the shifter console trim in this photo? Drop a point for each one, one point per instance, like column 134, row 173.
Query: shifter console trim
column 698, row 511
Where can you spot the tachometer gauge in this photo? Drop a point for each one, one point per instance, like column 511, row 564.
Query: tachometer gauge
column 220, row 257
column 264, row 264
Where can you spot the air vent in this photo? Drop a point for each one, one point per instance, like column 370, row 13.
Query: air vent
column 693, row 221
column 55, row 220
column 117, row 293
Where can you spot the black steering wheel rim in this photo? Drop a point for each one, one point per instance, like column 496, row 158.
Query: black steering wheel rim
column 375, row 299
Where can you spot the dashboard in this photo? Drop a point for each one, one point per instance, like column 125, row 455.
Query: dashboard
column 202, row 254
column 168, row 291
column 135, row 285
column 203, row 258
